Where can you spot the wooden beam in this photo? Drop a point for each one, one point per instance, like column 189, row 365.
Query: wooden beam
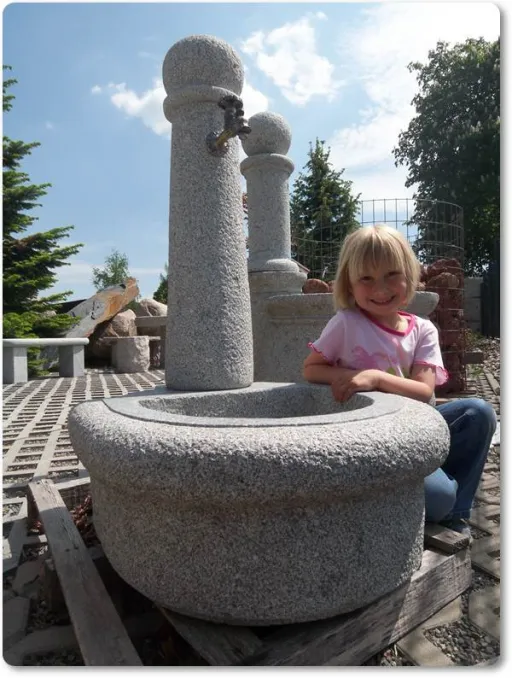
column 444, row 539
column 350, row 640
column 102, row 638
column 219, row 644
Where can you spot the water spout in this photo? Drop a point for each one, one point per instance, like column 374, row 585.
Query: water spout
column 234, row 125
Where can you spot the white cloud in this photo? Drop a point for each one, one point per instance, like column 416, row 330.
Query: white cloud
column 76, row 273
column 254, row 100
column 288, row 56
column 377, row 53
column 48, row 124
column 380, row 183
column 148, row 106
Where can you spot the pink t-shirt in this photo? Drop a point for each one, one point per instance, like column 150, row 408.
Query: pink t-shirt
column 354, row 340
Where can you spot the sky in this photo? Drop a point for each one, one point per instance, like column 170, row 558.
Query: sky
column 90, row 91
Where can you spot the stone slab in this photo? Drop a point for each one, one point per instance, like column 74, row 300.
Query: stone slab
column 15, row 617
column 484, row 606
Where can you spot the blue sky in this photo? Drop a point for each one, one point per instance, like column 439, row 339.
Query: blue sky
column 89, row 89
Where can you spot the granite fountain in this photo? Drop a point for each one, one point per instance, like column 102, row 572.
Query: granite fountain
column 225, row 499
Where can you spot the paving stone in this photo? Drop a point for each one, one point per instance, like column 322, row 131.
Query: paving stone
column 484, row 555
column 53, row 639
column 26, row 581
column 15, row 618
column 419, row 649
column 422, row 652
column 484, row 610
column 448, row 614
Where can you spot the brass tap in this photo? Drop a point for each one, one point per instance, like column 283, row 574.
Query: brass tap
column 234, row 125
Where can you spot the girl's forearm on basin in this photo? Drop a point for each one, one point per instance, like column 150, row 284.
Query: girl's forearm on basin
column 325, row 374
column 410, row 388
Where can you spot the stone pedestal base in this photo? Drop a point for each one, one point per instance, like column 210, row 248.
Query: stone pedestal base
column 131, row 354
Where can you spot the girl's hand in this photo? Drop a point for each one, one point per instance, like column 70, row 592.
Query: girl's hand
column 349, row 383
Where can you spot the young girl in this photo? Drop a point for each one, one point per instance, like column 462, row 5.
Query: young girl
column 372, row 345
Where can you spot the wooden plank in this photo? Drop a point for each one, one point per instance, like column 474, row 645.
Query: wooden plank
column 444, row 539
column 219, row 644
column 350, row 640
column 100, row 633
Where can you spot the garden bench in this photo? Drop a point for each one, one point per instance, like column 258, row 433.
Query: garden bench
column 71, row 357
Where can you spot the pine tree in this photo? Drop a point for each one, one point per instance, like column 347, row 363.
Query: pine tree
column 114, row 272
column 161, row 291
column 29, row 260
column 322, row 213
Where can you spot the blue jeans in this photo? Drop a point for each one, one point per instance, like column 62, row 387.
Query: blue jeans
column 449, row 491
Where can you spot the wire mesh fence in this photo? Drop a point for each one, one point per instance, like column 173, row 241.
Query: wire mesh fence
column 435, row 231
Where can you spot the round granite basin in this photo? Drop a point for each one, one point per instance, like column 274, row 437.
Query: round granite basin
column 265, row 505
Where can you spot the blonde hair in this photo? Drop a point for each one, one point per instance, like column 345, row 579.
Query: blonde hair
column 368, row 248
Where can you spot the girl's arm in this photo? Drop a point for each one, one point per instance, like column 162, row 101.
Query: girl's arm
column 317, row 370
column 345, row 382
column 419, row 386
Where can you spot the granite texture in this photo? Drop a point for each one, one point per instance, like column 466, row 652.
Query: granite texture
column 245, row 520
column 71, row 361
column 209, row 333
column 131, row 354
column 270, row 133
column 267, row 170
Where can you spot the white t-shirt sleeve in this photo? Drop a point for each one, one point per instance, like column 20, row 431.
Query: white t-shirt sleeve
column 428, row 351
column 330, row 343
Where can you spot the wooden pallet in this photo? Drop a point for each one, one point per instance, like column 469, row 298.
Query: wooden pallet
column 346, row 640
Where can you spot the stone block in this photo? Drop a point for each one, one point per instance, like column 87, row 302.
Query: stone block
column 15, row 369
column 131, row 354
column 71, row 361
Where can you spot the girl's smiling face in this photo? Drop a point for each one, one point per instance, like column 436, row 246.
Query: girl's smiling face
column 380, row 292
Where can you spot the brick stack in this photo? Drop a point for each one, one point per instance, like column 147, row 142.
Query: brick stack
column 446, row 278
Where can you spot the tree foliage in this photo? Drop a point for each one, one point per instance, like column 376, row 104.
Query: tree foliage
column 322, row 213
column 30, row 260
column 161, row 291
column 113, row 272
column 452, row 145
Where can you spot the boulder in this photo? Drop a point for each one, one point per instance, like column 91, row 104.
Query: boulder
column 444, row 280
column 148, row 306
column 101, row 307
column 315, row 286
column 121, row 325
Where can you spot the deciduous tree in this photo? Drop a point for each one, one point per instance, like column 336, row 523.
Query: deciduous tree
column 452, row 145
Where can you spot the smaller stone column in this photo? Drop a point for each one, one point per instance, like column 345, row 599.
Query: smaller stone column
column 271, row 269
column 267, row 170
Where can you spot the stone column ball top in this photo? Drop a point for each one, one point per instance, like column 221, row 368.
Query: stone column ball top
column 270, row 133
column 200, row 60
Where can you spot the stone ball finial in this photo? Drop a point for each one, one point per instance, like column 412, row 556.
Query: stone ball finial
column 270, row 133
column 202, row 60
